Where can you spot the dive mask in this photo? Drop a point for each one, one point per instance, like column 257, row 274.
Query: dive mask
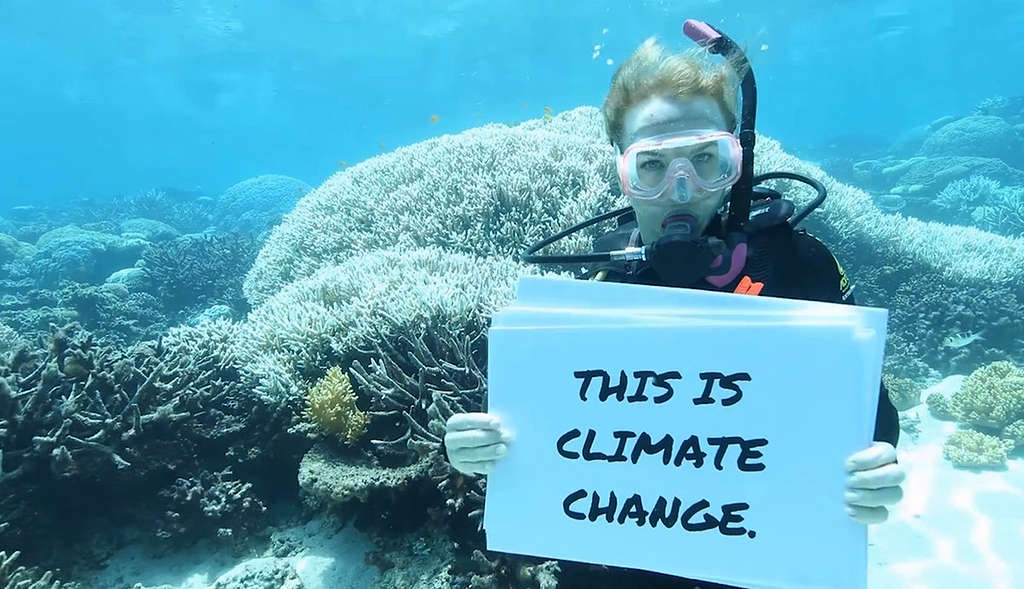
column 680, row 162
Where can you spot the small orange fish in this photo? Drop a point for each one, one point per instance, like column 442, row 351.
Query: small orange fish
column 522, row 105
column 547, row 113
column 342, row 164
column 383, row 145
column 434, row 118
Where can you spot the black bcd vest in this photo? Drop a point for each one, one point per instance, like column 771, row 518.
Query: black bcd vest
column 770, row 251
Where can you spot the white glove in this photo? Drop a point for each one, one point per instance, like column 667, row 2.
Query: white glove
column 873, row 482
column 475, row 441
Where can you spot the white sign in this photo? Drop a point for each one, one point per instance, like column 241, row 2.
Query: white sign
column 702, row 442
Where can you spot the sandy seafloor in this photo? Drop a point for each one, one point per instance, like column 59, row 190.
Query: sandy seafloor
column 954, row 529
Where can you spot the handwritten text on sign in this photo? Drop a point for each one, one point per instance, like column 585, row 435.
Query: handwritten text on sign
column 633, row 446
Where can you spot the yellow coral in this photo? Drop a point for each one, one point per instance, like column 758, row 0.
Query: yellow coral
column 331, row 405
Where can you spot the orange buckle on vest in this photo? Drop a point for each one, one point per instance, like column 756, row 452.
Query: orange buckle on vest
column 749, row 287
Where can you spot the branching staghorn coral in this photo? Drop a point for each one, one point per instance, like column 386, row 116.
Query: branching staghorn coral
column 114, row 425
column 419, row 382
column 12, row 577
column 1005, row 215
column 196, row 271
column 215, row 503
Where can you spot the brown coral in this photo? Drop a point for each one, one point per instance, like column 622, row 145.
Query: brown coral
column 331, row 406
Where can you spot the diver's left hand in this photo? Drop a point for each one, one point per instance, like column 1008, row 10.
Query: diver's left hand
column 873, row 482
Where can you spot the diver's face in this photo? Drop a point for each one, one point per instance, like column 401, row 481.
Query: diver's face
column 659, row 115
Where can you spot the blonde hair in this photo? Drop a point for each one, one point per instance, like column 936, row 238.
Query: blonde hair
column 651, row 71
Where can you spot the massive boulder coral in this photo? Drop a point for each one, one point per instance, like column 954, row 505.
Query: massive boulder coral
column 975, row 135
column 12, row 250
column 73, row 253
column 256, row 204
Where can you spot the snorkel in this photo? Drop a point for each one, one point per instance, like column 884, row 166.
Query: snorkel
column 681, row 256
column 717, row 43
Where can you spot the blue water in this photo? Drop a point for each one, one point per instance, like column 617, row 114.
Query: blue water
column 107, row 97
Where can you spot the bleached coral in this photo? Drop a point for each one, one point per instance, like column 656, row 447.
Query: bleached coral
column 488, row 191
column 326, row 318
column 9, row 339
column 19, row 577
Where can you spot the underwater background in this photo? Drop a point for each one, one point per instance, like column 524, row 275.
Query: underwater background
column 248, row 253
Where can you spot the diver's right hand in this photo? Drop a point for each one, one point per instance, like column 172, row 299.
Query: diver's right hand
column 475, row 441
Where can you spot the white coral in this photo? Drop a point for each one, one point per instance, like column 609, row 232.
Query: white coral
column 489, row 191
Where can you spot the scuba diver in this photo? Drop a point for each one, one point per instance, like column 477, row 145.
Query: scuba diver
column 697, row 219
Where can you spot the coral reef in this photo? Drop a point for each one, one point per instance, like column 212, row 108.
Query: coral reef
column 325, row 474
column 976, row 136
column 972, row 449
column 211, row 504
column 148, row 229
column 112, row 312
column 325, row 319
column 903, row 392
column 413, row 338
column 992, row 397
column 12, row 250
column 418, row 382
column 73, row 253
column 939, row 406
column 986, row 204
column 331, row 407
column 9, row 339
column 934, row 180
column 260, row 573
column 493, row 205
column 927, row 274
column 1014, row 433
column 489, row 191
column 257, row 204
column 89, row 429
column 12, row 577
column 196, row 271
